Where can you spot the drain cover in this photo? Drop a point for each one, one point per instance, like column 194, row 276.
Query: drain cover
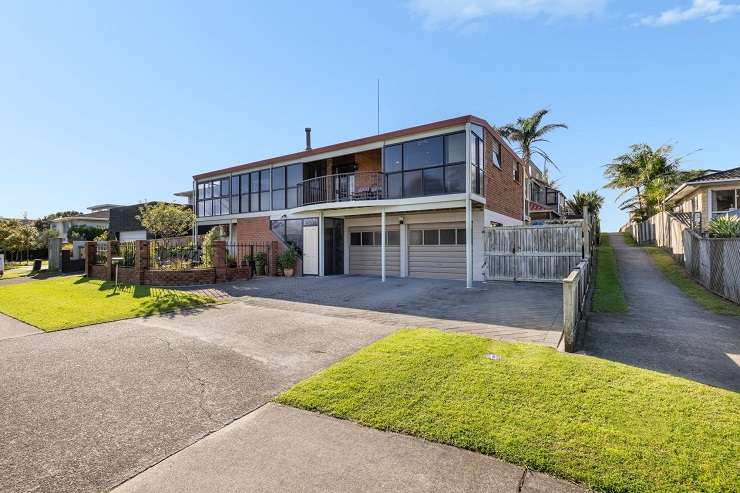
column 494, row 357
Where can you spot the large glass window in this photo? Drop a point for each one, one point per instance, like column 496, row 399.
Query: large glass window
column 278, row 188
column 724, row 201
column 430, row 166
column 423, row 153
column 214, row 198
column 294, row 175
column 392, row 159
column 265, row 190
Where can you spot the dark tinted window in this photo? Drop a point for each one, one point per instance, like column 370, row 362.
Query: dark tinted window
column 367, row 237
column 355, row 238
column 255, row 181
column 265, row 201
column 278, row 199
column 254, row 202
column 265, row 180
column 412, row 183
column 376, row 238
column 455, row 145
column 225, row 205
column 244, row 183
column 455, row 178
column 496, row 154
column 416, row 237
column 393, row 238
column 216, row 189
column 216, row 207
column 295, row 174
column 235, row 185
column 292, row 200
column 225, row 187
column 461, row 236
column 278, row 177
column 278, row 227
column 447, row 236
column 433, row 181
column 294, row 232
column 422, row 153
column 394, row 188
column 431, row 237
column 392, row 158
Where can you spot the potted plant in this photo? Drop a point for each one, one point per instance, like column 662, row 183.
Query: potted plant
column 288, row 260
column 260, row 260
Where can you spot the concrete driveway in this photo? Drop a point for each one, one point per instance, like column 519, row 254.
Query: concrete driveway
column 528, row 312
column 86, row 409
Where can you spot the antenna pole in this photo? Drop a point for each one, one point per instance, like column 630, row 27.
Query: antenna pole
column 378, row 105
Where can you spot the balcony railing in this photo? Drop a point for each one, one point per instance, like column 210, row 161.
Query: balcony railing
column 368, row 185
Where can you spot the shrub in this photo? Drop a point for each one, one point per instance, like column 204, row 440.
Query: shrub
column 80, row 232
column 724, row 227
column 260, row 260
column 288, row 258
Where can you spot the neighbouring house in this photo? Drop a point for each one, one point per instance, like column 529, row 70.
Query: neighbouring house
column 713, row 194
column 544, row 201
column 124, row 225
column 97, row 217
column 408, row 203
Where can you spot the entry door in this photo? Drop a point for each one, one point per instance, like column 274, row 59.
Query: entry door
column 310, row 250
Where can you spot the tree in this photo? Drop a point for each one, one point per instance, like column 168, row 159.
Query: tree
column 81, row 232
column 652, row 174
column 165, row 220
column 24, row 237
column 528, row 133
column 592, row 200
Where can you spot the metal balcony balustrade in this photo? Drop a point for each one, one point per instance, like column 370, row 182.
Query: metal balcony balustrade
column 344, row 187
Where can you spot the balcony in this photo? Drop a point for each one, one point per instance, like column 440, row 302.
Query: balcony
column 344, row 187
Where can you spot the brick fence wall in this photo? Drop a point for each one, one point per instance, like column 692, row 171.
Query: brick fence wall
column 140, row 273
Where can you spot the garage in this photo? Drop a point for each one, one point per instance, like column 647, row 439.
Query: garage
column 364, row 251
column 437, row 251
column 132, row 235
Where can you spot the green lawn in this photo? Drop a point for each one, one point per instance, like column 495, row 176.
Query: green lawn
column 73, row 301
column 608, row 295
column 678, row 276
column 608, row 426
column 21, row 270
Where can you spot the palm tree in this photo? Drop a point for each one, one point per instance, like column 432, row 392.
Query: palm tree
column 651, row 173
column 528, row 134
column 592, row 200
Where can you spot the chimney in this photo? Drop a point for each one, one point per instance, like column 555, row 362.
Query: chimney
column 308, row 138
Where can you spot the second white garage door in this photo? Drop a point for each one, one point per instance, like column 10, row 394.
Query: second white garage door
column 437, row 251
column 364, row 252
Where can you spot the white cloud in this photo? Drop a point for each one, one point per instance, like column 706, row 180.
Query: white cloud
column 710, row 10
column 466, row 13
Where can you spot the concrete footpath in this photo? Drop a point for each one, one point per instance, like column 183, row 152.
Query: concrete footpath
column 279, row 448
column 663, row 329
column 10, row 327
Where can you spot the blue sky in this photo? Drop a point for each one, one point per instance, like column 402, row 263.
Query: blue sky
column 125, row 101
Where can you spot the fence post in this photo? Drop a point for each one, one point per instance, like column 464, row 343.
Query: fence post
column 91, row 250
column 219, row 260
column 141, row 260
column 109, row 261
column 570, row 286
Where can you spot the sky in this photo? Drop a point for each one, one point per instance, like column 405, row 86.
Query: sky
column 121, row 102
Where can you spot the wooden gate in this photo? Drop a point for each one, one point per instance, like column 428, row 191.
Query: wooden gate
column 546, row 253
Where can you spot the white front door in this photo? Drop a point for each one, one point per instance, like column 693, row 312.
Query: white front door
column 310, row 250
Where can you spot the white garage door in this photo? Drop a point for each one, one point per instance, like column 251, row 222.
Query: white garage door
column 132, row 235
column 437, row 251
column 364, row 251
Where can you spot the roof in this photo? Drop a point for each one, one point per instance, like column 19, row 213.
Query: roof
column 728, row 175
column 298, row 156
column 188, row 193
column 92, row 216
column 102, row 207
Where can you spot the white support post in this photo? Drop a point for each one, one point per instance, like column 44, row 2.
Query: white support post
column 468, row 212
column 403, row 234
column 382, row 245
column 321, row 243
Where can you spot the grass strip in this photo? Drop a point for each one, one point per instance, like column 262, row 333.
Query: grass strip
column 608, row 295
column 678, row 276
column 606, row 425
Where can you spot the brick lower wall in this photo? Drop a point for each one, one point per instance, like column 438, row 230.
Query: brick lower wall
column 503, row 194
column 99, row 272
column 127, row 275
column 179, row 277
column 253, row 230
